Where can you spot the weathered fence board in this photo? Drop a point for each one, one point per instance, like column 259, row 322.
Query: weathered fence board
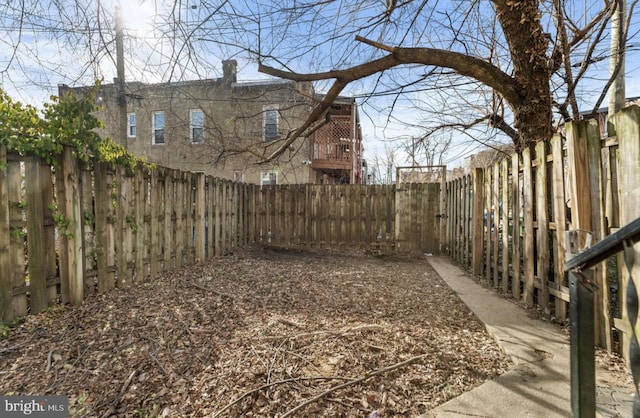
column 6, row 285
column 542, row 222
column 488, row 224
column 35, row 241
column 495, row 216
column 627, row 127
column 17, row 226
column 478, row 222
column 504, row 209
column 516, row 246
column 528, row 238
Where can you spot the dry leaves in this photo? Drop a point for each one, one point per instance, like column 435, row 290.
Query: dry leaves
column 262, row 333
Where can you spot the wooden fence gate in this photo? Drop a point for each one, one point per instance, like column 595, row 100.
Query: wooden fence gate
column 418, row 217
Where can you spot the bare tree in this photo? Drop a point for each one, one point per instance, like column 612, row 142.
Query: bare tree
column 427, row 150
column 508, row 65
column 521, row 54
column 381, row 168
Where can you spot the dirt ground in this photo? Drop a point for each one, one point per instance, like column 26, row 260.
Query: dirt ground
column 262, row 333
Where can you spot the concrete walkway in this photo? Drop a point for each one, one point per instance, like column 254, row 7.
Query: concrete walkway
column 538, row 385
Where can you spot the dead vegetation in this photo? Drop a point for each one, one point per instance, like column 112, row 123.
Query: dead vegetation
column 261, row 333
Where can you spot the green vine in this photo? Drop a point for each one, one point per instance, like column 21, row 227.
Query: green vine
column 65, row 121
column 17, row 233
column 20, row 205
column 88, row 217
column 131, row 221
column 63, row 225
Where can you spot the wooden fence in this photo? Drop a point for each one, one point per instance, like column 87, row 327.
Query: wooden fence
column 373, row 217
column 507, row 222
column 67, row 232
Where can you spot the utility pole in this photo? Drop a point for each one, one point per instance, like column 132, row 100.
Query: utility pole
column 617, row 90
column 122, row 97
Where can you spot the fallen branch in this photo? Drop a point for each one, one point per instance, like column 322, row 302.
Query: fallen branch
column 346, row 405
column 164, row 371
column 353, row 382
column 339, row 332
column 268, row 385
column 285, row 321
column 12, row 348
column 118, row 399
column 49, row 361
column 206, row 289
column 375, row 347
column 202, row 330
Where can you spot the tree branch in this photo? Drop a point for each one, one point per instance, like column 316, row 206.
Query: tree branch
column 466, row 65
column 498, row 122
column 268, row 385
column 475, row 68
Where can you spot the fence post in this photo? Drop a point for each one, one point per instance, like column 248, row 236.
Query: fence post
column 528, row 247
column 478, row 217
column 69, row 204
column 35, row 236
column 515, row 225
column 443, row 210
column 584, row 164
column 155, row 243
column 104, row 242
column 6, row 285
column 140, row 228
column 504, row 201
column 560, row 218
column 488, row 222
column 542, row 233
column 200, row 219
column 627, row 127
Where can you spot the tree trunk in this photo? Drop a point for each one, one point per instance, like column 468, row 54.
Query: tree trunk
column 528, row 44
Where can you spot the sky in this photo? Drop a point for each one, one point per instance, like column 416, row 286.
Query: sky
column 37, row 55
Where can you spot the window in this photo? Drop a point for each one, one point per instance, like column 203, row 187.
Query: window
column 238, row 176
column 158, row 128
column 270, row 123
column 196, row 126
column 268, row 178
column 131, row 125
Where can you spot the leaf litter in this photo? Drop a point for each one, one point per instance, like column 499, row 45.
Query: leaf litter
column 260, row 333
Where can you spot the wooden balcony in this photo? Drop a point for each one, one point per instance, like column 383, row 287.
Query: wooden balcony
column 335, row 155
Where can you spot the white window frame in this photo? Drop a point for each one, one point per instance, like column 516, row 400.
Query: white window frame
column 132, row 125
column 193, row 126
column 154, row 128
column 268, row 173
column 267, row 110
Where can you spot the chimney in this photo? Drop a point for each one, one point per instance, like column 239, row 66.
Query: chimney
column 62, row 89
column 229, row 71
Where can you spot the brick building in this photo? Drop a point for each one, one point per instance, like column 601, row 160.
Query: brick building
column 223, row 127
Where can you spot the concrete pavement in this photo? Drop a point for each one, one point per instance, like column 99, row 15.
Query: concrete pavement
column 538, row 384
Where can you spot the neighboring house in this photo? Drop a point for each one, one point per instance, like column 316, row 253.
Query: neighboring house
column 337, row 145
column 221, row 127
